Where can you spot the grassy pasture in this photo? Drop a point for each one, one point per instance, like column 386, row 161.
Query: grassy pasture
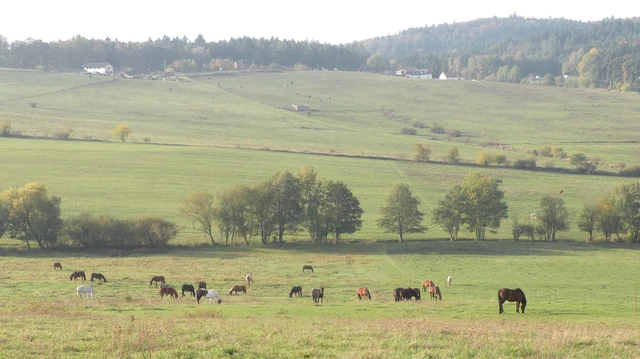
column 130, row 180
column 580, row 303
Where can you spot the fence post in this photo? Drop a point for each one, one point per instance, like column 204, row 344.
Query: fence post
column 635, row 299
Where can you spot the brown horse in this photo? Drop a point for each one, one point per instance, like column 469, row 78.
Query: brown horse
column 396, row 294
column 363, row 293
column 512, row 295
column 98, row 276
column 166, row 290
column 157, row 279
column 202, row 285
column 307, row 267
column 408, row 293
column 317, row 295
column 426, row 284
column 297, row 291
column 57, row 265
column 78, row 274
column 435, row 293
column 238, row 288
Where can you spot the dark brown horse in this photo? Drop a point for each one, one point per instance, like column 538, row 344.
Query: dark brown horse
column 307, row 267
column 157, row 279
column 435, row 293
column 238, row 288
column 297, row 291
column 396, row 294
column 408, row 293
column 317, row 294
column 78, row 274
column 189, row 289
column 363, row 293
column 202, row 285
column 426, row 284
column 512, row 295
column 98, row 276
column 166, row 290
column 57, row 265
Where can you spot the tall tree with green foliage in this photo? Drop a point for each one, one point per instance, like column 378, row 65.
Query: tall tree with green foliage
column 342, row 208
column 449, row 215
column 484, row 203
column 588, row 220
column 261, row 208
column 313, row 193
column 32, row 215
column 553, row 216
column 627, row 200
column 287, row 203
column 199, row 208
column 401, row 213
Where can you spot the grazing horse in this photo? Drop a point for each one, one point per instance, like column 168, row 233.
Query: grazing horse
column 317, row 294
column 408, row 293
column 435, row 293
column 426, row 284
column 448, row 280
column 57, row 265
column 157, row 279
column 307, row 267
column 512, row 295
column 77, row 274
column 166, row 290
column 297, row 290
column 98, row 276
column 202, row 285
column 189, row 289
column 238, row 288
column 363, row 293
column 87, row 289
column 396, row 294
column 499, row 181
column 211, row 294
column 248, row 279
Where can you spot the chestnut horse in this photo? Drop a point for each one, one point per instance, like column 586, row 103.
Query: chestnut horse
column 512, row 295
column 238, row 288
column 317, row 295
column 297, row 290
column 307, row 268
column 363, row 293
column 98, row 276
column 77, row 274
column 426, row 284
column 166, row 290
column 157, row 279
column 57, row 265
column 189, row 289
column 435, row 293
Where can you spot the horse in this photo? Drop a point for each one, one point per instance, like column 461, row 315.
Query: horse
column 238, row 288
column 512, row 295
column 396, row 294
column 435, row 293
column 211, row 294
column 317, row 294
column 188, row 288
column 57, row 265
column 249, row 279
column 98, row 276
column 307, row 267
column 363, row 293
column 157, row 279
column 297, row 290
column 408, row 293
column 499, row 181
column 85, row 289
column 77, row 274
column 448, row 280
column 202, row 285
column 426, row 284
column 166, row 290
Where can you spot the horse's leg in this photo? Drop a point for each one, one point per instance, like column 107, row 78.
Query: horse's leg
column 500, row 306
column 518, row 307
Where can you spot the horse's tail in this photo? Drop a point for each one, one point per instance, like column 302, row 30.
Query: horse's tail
column 368, row 294
column 439, row 294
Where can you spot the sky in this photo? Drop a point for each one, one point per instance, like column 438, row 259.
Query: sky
column 327, row 21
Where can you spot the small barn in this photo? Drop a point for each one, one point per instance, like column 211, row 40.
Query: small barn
column 103, row 68
column 299, row 108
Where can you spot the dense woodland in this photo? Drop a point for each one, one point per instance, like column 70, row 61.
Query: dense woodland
column 602, row 54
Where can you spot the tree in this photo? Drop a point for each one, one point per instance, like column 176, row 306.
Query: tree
column 421, row 152
column 313, row 199
column 553, row 216
column 582, row 163
column 609, row 218
column 627, row 200
column 377, row 61
column 500, row 159
column 342, row 208
column 401, row 214
column 32, row 215
column 453, row 155
column 262, row 197
column 287, row 203
column 484, row 203
column 121, row 132
column 199, row 208
column 4, row 218
column 484, row 158
column 588, row 220
column 449, row 215
column 5, row 128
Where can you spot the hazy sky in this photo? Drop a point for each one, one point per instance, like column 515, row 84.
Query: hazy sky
column 326, row 21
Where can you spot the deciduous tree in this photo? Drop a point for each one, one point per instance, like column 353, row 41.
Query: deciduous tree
column 199, row 208
column 588, row 220
column 553, row 216
column 401, row 214
column 342, row 210
column 121, row 132
column 449, row 215
column 484, row 203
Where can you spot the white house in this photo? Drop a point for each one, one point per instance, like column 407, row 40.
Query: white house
column 102, row 68
column 451, row 76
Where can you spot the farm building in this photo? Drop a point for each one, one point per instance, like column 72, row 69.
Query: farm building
column 102, row 68
column 299, row 107
column 451, row 76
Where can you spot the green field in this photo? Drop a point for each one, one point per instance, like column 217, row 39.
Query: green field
column 580, row 303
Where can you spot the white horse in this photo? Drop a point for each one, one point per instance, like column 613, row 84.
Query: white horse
column 211, row 294
column 533, row 216
column 249, row 279
column 448, row 280
column 87, row 289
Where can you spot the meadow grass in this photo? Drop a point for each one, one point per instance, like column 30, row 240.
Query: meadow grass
column 580, row 302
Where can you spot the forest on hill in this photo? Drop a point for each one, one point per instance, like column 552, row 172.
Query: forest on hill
column 604, row 54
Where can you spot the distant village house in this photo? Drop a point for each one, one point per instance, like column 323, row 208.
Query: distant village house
column 451, row 76
column 299, row 108
column 102, row 68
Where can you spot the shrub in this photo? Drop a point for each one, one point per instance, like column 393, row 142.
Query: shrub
column 421, row 152
column 453, row 155
column 453, row 133
column 418, row 124
column 500, row 159
column 558, row 152
column 528, row 164
column 33, row 104
column 436, row 128
column 5, row 128
column 545, row 151
column 408, row 131
column 633, row 171
column 484, row 158
column 63, row 134
column 146, row 140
